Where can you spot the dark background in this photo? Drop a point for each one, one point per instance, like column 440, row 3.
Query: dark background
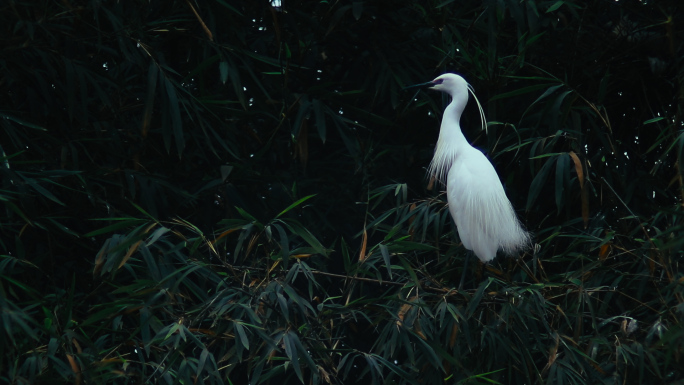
column 235, row 192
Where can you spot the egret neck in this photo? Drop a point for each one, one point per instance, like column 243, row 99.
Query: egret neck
column 451, row 141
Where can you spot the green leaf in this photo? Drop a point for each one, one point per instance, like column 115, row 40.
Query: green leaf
column 291, row 352
column 223, row 70
column 653, row 120
column 284, row 245
column 562, row 170
column 16, row 209
column 319, row 114
column 157, row 234
column 474, row 302
column 546, row 93
column 152, row 77
column 295, row 204
column 522, row 91
column 555, row 6
column 357, row 9
column 306, row 235
column 40, row 189
column 122, row 223
column 302, row 114
column 22, row 122
column 304, row 353
column 202, row 362
column 175, row 115
column 386, row 257
column 246, row 215
column 241, row 334
column 538, row 183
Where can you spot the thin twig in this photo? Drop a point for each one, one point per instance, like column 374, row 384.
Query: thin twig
column 204, row 26
column 362, row 279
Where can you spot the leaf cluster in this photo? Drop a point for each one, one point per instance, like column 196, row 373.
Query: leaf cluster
column 234, row 192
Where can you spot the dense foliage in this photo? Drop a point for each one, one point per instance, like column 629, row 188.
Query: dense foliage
column 234, row 192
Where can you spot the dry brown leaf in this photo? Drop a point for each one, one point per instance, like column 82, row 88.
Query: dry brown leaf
column 583, row 193
column 578, row 168
column 431, row 185
column 206, row 29
column 419, row 332
column 77, row 346
column 251, row 244
column 301, row 255
column 402, row 313
column 130, row 252
column 404, row 309
column 130, row 310
column 223, row 234
column 553, row 354
column 324, row 374
column 362, row 254
column 74, row 368
column 108, row 361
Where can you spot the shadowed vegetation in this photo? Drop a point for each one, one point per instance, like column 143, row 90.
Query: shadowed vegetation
column 234, row 192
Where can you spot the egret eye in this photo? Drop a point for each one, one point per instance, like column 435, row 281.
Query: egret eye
column 438, row 81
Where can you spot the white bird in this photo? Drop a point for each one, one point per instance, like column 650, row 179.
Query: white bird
column 484, row 216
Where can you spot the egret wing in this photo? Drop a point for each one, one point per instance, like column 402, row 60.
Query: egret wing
column 483, row 214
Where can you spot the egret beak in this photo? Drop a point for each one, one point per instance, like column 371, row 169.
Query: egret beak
column 421, row 85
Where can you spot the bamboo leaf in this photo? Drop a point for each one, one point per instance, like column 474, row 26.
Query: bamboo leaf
column 562, row 170
column 306, row 235
column 21, row 121
column 291, row 352
column 122, row 223
column 295, row 204
column 386, row 257
column 241, row 334
column 555, row 6
column 538, row 183
column 319, row 114
column 153, row 75
column 284, row 245
column 223, row 70
column 474, row 302
column 175, row 116
column 40, row 189
column 524, row 90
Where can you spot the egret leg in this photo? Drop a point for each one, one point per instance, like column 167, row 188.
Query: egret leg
column 465, row 268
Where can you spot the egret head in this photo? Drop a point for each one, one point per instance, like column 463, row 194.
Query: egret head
column 452, row 84
column 457, row 88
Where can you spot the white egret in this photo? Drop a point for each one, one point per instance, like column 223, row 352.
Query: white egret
column 478, row 204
